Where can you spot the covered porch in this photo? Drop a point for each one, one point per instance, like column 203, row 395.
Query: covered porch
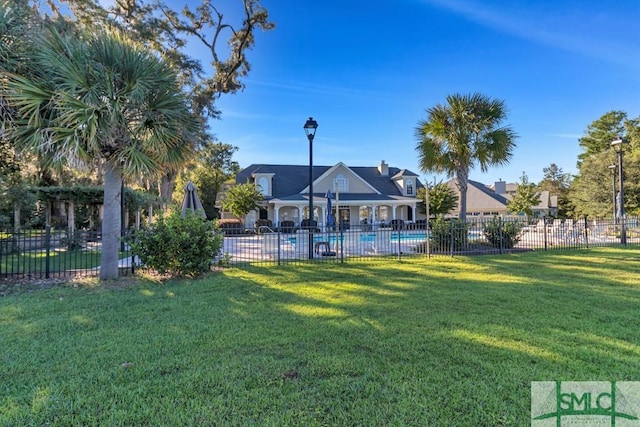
column 365, row 211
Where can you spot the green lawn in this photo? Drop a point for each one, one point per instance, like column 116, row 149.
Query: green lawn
column 60, row 260
column 446, row 341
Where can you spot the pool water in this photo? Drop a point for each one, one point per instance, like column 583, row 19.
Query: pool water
column 366, row 238
column 371, row 237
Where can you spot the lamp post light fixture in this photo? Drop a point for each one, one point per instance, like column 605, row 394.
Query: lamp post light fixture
column 310, row 129
column 617, row 145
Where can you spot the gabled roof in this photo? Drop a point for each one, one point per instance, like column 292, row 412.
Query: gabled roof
column 545, row 200
column 404, row 173
column 489, row 192
column 339, row 165
column 289, row 180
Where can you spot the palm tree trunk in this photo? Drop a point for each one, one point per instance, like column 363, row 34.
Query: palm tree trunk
column 111, row 223
column 462, row 183
column 167, row 185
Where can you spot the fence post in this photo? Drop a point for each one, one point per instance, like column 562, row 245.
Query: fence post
column 399, row 245
column 544, row 229
column 428, row 233
column 47, row 245
column 586, row 231
column 341, row 244
column 279, row 247
column 452, row 237
column 500, row 235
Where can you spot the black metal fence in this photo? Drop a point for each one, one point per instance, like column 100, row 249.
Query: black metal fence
column 440, row 238
column 51, row 253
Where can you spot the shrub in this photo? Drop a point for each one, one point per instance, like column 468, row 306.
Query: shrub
column 444, row 232
column 502, row 234
column 230, row 226
column 178, row 246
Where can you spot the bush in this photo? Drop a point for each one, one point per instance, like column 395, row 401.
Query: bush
column 443, row 232
column 178, row 246
column 230, row 226
column 502, row 234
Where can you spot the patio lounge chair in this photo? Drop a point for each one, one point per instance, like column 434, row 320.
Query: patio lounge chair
column 305, row 225
column 287, row 227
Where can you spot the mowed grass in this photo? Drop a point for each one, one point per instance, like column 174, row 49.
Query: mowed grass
column 60, row 259
column 446, row 341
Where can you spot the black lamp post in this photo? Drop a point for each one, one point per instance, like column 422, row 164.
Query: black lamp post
column 617, row 145
column 613, row 188
column 310, row 129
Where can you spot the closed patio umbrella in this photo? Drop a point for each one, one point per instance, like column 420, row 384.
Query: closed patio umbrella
column 192, row 202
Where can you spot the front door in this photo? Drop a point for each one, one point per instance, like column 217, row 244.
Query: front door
column 345, row 217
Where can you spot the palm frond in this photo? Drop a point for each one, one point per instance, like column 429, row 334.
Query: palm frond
column 102, row 96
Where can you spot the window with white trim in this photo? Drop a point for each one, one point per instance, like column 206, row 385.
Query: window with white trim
column 263, row 183
column 409, row 187
column 340, row 183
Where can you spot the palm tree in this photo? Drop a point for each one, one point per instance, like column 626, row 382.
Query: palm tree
column 100, row 100
column 456, row 137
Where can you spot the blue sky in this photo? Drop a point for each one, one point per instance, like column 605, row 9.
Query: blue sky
column 367, row 71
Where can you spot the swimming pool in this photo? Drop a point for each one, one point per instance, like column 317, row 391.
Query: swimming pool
column 415, row 237
column 366, row 237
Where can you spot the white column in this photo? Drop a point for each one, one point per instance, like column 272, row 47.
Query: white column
column 276, row 213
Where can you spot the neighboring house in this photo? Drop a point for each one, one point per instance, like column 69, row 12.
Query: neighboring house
column 484, row 200
column 481, row 200
column 366, row 195
column 548, row 205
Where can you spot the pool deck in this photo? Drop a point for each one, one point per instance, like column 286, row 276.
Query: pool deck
column 294, row 246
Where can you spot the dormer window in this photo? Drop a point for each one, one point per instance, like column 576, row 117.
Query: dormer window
column 409, row 187
column 263, row 183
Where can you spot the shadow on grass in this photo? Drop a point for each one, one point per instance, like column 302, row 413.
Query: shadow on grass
column 421, row 342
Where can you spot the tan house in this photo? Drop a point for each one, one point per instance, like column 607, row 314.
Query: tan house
column 491, row 200
column 365, row 194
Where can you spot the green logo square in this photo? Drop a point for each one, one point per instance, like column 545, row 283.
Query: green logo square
column 585, row 403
